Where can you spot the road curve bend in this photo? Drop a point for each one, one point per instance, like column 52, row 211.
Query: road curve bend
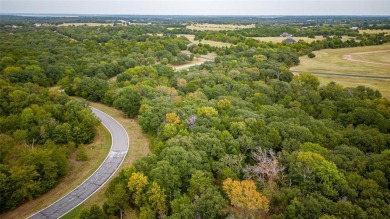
column 118, row 151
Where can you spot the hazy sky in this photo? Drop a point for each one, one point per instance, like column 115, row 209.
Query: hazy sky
column 200, row 7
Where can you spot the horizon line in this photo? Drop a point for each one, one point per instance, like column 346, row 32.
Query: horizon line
column 198, row 15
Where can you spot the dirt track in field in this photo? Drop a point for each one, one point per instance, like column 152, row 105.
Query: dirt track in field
column 350, row 57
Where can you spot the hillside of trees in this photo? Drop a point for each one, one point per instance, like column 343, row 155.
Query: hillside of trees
column 39, row 129
column 237, row 137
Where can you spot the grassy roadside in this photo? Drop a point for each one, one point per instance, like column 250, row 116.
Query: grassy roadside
column 78, row 171
column 139, row 147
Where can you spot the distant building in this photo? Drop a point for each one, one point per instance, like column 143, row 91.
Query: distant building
column 285, row 34
column 354, row 28
column 122, row 22
column 289, row 40
column 44, row 24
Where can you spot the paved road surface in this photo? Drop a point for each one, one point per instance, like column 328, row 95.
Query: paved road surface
column 119, row 147
column 345, row 75
column 202, row 59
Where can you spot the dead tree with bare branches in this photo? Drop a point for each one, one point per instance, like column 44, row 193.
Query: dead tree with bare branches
column 267, row 167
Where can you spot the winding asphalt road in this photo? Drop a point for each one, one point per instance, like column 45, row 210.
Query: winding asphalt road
column 202, row 59
column 118, row 151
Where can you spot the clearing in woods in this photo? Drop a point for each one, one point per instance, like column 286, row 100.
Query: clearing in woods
column 191, row 38
column 386, row 32
column 369, row 61
column 218, row 27
column 306, row 39
column 87, row 24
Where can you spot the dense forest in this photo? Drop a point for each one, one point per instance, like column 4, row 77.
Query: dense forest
column 237, row 137
column 39, row 128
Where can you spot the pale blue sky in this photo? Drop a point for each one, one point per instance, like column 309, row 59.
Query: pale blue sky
column 200, row 7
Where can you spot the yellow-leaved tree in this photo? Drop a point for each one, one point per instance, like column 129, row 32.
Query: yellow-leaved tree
column 243, row 194
column 137, row 183
column 156, row 198
column 172, row 118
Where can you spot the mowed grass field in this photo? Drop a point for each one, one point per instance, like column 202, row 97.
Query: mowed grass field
column 375, row 31
column 306, row 39
column 383, row 85
column 369, row 60
column 218, row 27
column 191, row 38
column 87, row 24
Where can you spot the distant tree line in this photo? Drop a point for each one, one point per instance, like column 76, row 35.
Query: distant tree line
column 241, row 126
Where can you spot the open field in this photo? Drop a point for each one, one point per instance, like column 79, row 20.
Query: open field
column 280, row 39
column 369, row 61
column 375, row 31
column 383, row 85
column 139, row 147
column 306, row 39
column 191, row 38
column 339, row 61
column 87, row 24
column 218, row 27
column 370, row 57
column 78, row 171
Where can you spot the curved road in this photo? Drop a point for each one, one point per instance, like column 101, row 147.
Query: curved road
column 202, row 59
column 118, row 151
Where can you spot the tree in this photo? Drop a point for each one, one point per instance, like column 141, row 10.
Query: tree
column 172, row 118
column 182, row 208
column 95, row 212
column 209, row 204
column 224, row 104
column 137, row 183
column 267, row 167
column 128, row 100
column 207, row 111
column 314, row 173
column 243, row 194
column 117, row 200
column 166, row 175
column 307, row 80
column 156, row 198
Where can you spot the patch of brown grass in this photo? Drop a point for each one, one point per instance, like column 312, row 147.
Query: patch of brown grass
column 218, row 27
column 306, row 39
column 383, row 85
column 375, row 31
column 87, row 24
column 191, row 38
column 333, row 61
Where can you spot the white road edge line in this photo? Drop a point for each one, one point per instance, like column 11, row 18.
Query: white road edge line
column 112, row 144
